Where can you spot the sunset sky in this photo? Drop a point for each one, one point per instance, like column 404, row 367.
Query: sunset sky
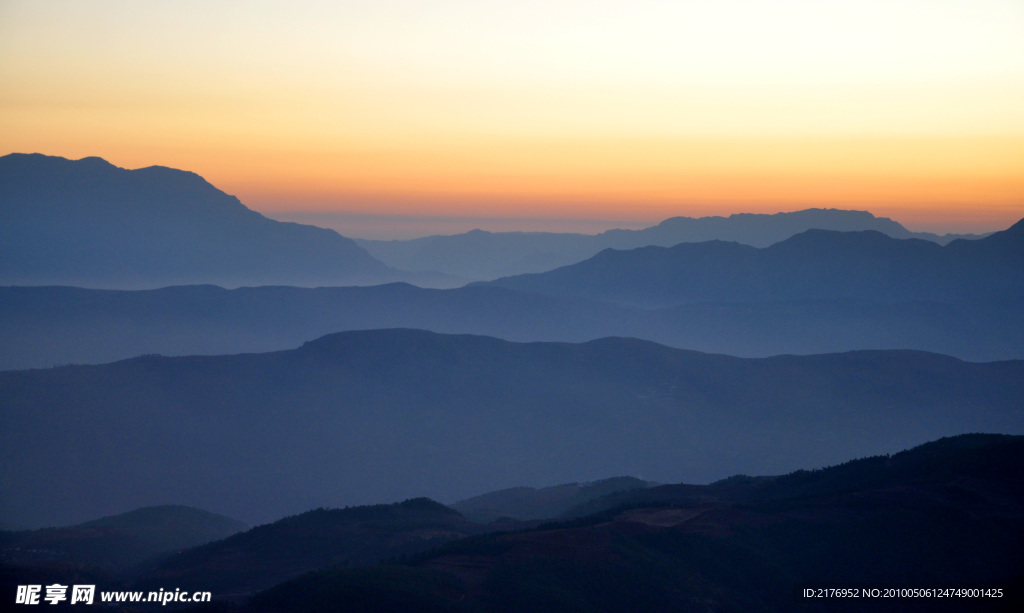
column 555, row 114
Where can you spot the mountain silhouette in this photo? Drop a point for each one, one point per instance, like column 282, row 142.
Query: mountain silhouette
column 542, row 503
column 92, row 224
column 948, row 515
column 268, row 554
column 358, row 417
column 48, row 326
column 480, row 255
column 813, row 265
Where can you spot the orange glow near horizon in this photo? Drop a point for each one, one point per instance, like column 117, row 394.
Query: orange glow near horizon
column 913, row 180
column 641, row 111
column 972, row 183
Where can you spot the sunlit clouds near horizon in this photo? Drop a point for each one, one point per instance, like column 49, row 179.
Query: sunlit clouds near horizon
column 625, row 111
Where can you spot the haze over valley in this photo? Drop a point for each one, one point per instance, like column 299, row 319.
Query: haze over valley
column 664, row 363
column 477, row 307
column 813, row 291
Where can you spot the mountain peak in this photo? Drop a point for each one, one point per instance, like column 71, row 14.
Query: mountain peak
column 95, row 161
column 37, row 159
column 89, row 223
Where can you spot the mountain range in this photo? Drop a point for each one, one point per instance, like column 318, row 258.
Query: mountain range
column 481, row 255
column 742, row 543
column 89, row 223
column 941, row 518
column 813, row 265
column 360, row 417
column 153, row 547
column 320, row 538
column 48, row 326
column 339, row 379
column 745, row 543
column 816, row 292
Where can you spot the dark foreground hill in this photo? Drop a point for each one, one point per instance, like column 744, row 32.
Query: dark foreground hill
column 359, row 417
column 480, row 255
column 814, row 265
column 943, row 517
column 89, row 223
column 115, row 544
column 271, row 553
column 524, row 503
column 48, row 326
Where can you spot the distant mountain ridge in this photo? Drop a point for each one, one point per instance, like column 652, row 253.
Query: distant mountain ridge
column 815, row 265
column 51, row 326
column 377, row 415
column 89, row 223
column 481, row 255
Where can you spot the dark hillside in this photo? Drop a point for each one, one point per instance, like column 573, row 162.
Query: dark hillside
column 942, row 517
column 271, row 553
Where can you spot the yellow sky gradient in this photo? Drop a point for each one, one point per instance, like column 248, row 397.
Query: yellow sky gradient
column 602, row 110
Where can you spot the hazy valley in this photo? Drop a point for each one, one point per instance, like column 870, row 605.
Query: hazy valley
column 818, row 291
column 498, row 421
